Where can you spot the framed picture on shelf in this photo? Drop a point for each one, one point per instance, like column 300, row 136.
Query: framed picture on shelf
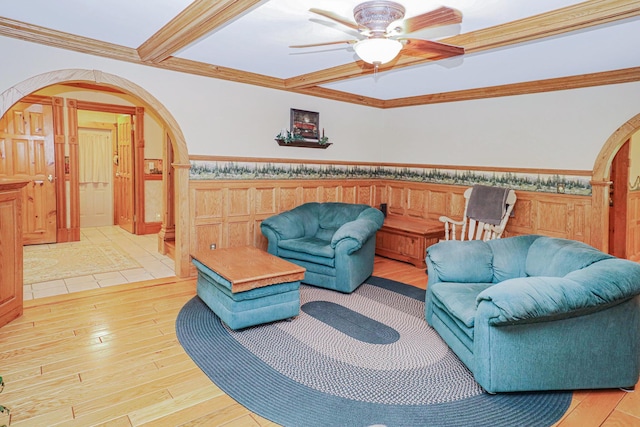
column 153, row 166
column 306, row 124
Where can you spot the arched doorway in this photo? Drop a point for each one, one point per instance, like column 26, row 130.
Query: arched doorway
column 601, row 183
column 180, row 163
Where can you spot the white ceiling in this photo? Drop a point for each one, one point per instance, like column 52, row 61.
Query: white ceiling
column 258, row 41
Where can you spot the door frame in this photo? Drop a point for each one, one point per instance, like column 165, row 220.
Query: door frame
column 601, row 182
column 137, row 115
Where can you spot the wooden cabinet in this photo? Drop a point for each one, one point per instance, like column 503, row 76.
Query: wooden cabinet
column 10, row 250
column 407, row 239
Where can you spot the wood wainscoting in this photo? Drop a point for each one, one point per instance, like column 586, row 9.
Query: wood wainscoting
column 228, row 213
column 633, row 226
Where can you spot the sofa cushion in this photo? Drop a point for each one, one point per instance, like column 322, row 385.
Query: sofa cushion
column 509, row 256
column 298, row 222
column 308, row 249
column 555, row 257
column 450, row 261
column 333, row 215
column 459, row 300
column 325, row 233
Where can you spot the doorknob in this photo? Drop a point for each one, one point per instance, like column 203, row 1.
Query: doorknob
column 50, row 178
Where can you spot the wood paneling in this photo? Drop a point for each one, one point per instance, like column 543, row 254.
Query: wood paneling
column 557, row 215
column 633, row 224
column 238, row 202
column 437, row 203
column 416, row 201
column 265, row 201
column 208, row 204
column 395, row 199
column 229, row 213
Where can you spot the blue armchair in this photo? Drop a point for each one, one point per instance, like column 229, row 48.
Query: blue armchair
column 335, row 242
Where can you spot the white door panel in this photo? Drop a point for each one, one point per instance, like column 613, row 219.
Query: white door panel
column 96, row 178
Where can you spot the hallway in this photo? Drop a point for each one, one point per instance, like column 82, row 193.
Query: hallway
column 142, row 249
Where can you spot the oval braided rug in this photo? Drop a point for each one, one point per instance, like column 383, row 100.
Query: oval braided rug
column 364, row 359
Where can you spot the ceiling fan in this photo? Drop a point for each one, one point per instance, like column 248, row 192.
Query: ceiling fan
column 379, row 22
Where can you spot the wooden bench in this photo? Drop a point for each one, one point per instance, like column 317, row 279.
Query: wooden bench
column 407, row 239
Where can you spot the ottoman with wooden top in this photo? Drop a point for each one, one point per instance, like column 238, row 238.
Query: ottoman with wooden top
column 245, row 286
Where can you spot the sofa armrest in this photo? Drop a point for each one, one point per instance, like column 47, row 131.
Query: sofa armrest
column 600, row 285
column 286, row 225
column 536, row 299
column 358, row 231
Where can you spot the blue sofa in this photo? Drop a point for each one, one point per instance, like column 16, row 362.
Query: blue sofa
column 334, row 241
column 536, row 313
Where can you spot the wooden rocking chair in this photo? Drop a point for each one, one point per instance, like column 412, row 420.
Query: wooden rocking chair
column 479, row 228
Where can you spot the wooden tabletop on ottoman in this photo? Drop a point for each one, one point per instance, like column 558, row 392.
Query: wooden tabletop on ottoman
column 248, row 267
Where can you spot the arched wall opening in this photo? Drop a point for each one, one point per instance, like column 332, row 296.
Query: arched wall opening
column 601, row 183
column 180, row 153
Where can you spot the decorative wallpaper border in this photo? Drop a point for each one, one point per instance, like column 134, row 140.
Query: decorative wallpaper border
column 545, row 183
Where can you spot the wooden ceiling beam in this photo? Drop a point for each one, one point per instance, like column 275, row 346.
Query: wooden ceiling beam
column 219, row 72
column 337, row 95
column 199, row 19
column 356, row 69
column 571, row 18
column 33, row 33
column 36, row 34
column 561, row 83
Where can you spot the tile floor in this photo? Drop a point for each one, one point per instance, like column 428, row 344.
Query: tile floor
column 144, row 249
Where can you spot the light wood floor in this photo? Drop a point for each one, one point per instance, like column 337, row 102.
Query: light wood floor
column 110, row 357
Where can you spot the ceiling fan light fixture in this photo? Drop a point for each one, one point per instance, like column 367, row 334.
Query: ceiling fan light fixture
column 377, row 50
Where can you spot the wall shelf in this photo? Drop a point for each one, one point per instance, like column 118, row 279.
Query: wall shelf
column 305, row 144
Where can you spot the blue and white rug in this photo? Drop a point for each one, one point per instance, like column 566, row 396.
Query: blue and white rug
column 364, row 359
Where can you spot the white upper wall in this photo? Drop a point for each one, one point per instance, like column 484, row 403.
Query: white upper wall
column 558, row 130
column 563, row 130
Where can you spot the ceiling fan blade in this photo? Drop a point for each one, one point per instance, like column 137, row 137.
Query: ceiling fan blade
column 441, row 16
column 324, row 44
column 418, row 47
column 335, row 17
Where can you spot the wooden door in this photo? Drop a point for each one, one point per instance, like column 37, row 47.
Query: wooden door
column 124, row 179
column 96, row 177
column 27, row 153
column 11, row 287
column 618, row 202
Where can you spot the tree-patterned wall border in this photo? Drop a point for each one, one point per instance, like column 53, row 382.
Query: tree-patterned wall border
column 546, row 183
